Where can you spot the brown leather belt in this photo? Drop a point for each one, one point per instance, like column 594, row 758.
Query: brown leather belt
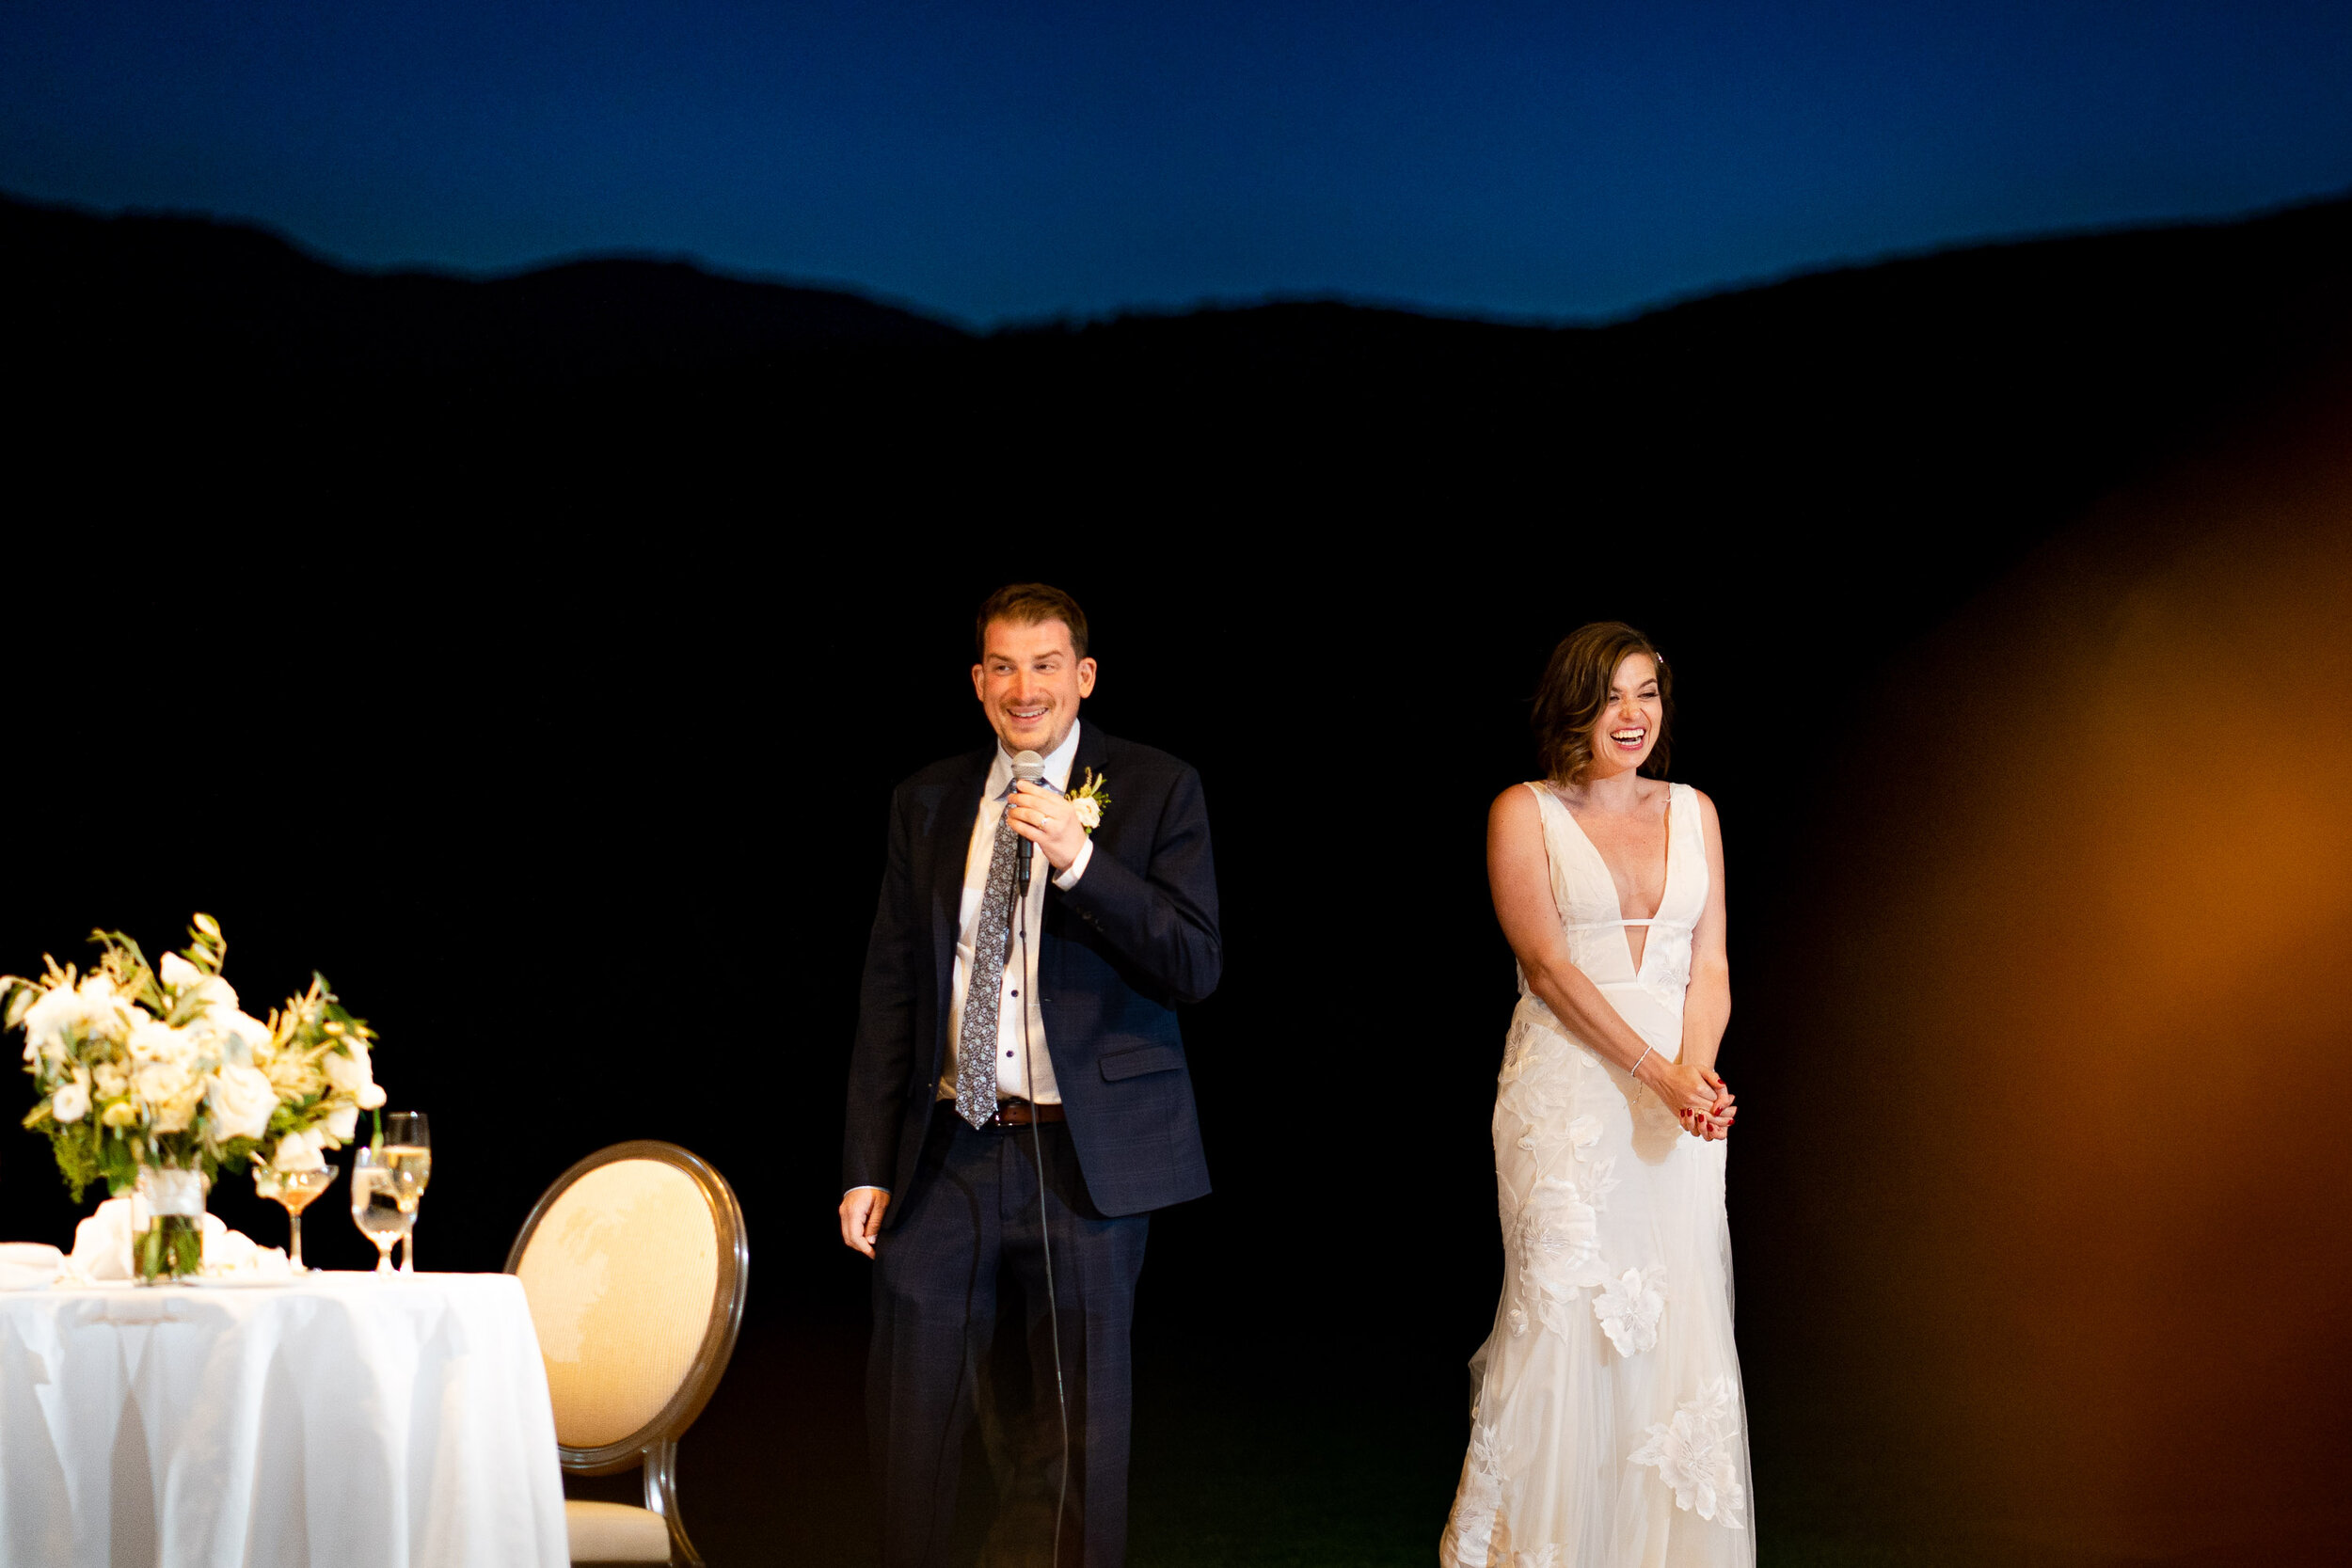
column 1020, row 1113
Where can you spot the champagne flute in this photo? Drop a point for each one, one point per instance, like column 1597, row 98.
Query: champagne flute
column 292, row 1191
column 409, row 1153
column 375, row 1204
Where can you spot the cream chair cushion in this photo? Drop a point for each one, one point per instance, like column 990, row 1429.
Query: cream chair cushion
column 615, row 1532
column 621, row 1273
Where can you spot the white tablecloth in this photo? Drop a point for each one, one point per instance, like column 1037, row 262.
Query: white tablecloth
column 340, row 1421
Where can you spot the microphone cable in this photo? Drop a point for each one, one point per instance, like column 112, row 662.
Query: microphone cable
column 1044, row 1219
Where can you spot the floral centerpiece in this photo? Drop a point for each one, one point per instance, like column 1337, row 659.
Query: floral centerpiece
column 154, row 1078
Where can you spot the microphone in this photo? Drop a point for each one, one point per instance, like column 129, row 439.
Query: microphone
column 1028, row 767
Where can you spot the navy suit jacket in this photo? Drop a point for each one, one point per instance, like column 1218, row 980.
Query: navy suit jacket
column 1118, row 952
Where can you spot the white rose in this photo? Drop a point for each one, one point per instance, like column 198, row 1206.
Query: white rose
column 153, row 1042
column 1089, row 813
column 233, row 1036
column 72, row 1102
column 251, row 1030
column 301, row 1151
column 163, row 1074
column 341, row 1122
column 350, row 1072
column 92, row 1008
column 371, row 1097
column 44, row 1023
column 184, row 980
column 242, row 1101
column 172, row 1093
column 213, row 994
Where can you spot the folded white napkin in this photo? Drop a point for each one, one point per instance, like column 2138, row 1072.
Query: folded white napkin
column 102, row 1243
column 28, row 1265
column 233, row 1254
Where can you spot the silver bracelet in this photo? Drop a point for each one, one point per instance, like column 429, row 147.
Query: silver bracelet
column 1639, row 1060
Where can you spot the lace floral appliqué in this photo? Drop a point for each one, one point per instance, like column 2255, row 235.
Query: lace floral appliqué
column 1516, row 1046
column 1558, row 1245
column 1471, row 1531
column 1696, row 1453
column 1628, row 1307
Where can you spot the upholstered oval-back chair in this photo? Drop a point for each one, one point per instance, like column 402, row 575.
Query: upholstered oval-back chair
column 636, row 1264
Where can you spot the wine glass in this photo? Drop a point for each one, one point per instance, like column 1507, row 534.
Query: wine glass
column 375, row 1206
column 409, row 1154
column 292, row 1191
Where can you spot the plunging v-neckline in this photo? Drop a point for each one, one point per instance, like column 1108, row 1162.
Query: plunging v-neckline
column 1665, row 880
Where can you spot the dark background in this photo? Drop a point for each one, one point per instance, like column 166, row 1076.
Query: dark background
column 549, row 704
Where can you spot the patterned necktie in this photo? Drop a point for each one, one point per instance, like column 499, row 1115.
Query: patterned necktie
column 984, row 993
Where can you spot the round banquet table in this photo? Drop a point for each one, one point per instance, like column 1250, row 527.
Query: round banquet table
column 341, row 1421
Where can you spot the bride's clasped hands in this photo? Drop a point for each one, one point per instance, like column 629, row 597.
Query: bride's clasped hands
column 1698, row 1097
column 1705, row 1104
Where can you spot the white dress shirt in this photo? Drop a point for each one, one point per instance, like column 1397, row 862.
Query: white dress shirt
column 1019, row 980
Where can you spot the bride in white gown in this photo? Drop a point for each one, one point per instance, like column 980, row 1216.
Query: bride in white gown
column 1607, row 1429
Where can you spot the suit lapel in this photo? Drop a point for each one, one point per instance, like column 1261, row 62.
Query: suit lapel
column 1091, row 750
column 1091, row 755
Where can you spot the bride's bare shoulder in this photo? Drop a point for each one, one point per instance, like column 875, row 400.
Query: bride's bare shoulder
column 1515, row 807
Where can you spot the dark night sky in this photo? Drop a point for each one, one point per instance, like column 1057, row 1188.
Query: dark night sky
column 1017, row 160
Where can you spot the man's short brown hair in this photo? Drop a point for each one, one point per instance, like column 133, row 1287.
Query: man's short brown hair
column 1029, row 604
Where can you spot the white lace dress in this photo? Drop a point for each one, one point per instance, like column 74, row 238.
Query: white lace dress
column 1607, row 1429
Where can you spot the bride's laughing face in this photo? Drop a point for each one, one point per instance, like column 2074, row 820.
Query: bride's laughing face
column 1629, row 726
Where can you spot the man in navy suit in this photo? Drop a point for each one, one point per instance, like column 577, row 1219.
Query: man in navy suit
column 1019, row 1101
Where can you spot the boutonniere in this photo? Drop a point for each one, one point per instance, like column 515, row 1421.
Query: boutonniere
column 1090, row 800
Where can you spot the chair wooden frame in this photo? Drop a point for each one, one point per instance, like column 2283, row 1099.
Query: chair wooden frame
column 655, row 1443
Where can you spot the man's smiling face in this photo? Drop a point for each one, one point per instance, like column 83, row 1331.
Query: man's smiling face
column 1030, row 682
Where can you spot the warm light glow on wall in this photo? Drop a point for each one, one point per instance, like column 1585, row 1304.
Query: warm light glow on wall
column 2077, row 1079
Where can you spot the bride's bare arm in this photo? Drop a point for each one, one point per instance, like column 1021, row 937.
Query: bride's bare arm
column 1706, row 1005
column 1521, row 878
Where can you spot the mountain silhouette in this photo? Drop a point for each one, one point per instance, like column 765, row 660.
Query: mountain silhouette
column 161, row 293
column 154, row 293
column 1953, row 406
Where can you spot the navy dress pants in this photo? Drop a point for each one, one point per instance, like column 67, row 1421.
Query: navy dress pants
column 972, row 1221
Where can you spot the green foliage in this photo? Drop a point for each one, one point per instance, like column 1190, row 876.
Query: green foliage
column 121, row 961
column 77, row 1160
column 207, row 948
column 88, row 1153
column 173, row 1245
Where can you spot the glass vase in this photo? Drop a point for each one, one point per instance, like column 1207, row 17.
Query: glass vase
column 171, row 1246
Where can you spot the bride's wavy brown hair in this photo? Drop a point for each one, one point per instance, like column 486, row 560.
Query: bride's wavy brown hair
column 1575, row 693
